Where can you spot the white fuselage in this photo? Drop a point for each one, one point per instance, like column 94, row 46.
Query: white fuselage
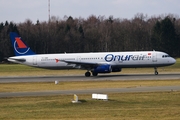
column 117, row 59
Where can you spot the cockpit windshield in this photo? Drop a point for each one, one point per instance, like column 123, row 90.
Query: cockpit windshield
column 165, row 56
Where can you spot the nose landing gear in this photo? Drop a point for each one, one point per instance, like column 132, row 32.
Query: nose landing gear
column 155, row 71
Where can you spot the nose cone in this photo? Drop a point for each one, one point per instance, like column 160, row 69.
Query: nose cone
column 173, row 61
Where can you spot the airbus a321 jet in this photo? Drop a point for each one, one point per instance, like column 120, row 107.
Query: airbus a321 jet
column 94, row 63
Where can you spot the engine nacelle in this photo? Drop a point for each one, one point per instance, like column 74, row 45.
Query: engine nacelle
column 103, row 69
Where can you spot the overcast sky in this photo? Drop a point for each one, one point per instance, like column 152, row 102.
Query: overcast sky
column 20, row 10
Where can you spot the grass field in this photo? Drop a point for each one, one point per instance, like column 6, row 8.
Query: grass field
column 120, row 106
column 79, row 85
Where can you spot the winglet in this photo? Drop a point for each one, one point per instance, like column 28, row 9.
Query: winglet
column 20, row 48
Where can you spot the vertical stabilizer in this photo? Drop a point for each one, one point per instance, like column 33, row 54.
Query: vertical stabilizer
column 20, row 48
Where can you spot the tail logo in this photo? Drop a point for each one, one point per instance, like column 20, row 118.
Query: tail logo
column 19, row 46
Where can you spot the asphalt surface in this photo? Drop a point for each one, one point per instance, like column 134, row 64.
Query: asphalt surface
column 97, row 78
column 90, row 91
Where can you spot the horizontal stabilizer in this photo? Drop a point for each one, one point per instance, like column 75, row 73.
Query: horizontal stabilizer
column 17, row 59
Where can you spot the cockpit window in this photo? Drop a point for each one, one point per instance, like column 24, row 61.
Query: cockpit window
column 165, row 56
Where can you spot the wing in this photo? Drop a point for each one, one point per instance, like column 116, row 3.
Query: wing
column 85, row 65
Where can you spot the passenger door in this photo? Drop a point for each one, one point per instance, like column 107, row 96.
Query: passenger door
column 34, row 60
column 154, row 57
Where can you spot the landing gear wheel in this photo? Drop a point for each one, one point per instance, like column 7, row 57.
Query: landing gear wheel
column 94, row 73
column 155, row 72
column 87, row 74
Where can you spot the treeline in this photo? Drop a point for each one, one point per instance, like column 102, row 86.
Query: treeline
column 95, row 34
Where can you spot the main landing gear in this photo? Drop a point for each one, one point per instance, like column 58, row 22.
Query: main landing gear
column 88, row 74
column 155, row 71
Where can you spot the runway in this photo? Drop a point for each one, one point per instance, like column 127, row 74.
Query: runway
column 101, row 77
column 90, row 91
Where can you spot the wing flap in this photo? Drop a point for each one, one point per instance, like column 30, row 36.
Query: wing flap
column 85, row 64
column 79, row 63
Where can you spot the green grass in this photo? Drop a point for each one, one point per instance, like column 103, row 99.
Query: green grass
column 42, row 86
column 121, row 106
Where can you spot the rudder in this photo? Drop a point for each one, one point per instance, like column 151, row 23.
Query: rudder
column 20, row 48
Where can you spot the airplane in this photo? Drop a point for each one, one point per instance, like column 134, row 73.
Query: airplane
column 94, row 63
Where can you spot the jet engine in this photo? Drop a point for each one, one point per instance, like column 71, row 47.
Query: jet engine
column 102, row 69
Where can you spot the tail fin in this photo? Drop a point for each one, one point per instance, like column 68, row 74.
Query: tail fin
column 20, row 48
